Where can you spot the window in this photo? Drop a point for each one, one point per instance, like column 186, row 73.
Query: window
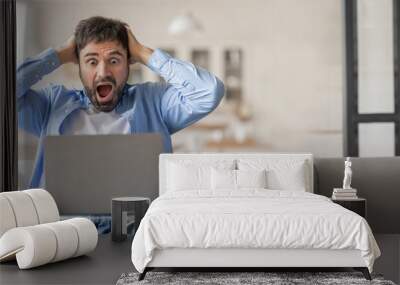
column 372, row 104
column 233, row 74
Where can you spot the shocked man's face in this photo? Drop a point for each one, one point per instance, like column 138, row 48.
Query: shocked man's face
column 104, row 70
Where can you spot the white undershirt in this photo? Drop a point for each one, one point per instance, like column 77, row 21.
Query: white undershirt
column 92, row 122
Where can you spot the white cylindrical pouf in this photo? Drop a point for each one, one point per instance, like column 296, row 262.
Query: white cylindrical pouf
column 7, row 218
column 45, row 205
column 40, row 244
column 23, row 208
column 34, row 245
column 87, row 234
column 67, row 239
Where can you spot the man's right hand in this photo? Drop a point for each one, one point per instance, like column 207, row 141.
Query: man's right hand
column 66, row 52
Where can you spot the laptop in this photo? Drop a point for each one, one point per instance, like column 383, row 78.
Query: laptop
column 83, row 173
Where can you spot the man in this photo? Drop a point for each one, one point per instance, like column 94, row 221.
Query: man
column 104, row 49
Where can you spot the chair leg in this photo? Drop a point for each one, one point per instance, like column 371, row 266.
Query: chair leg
column 143, row 274
column 364, row 271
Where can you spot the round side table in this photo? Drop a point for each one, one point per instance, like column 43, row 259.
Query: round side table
column 127, row 212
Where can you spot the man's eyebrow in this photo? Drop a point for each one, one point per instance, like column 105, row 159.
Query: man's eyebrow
column 91, row 54
column 116, row 52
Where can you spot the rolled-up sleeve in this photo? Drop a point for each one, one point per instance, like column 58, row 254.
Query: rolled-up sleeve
column 34, row 69
column 33, row 105
column 190, row 94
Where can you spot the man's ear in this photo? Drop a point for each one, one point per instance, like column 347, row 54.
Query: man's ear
column 128, row 54
column 131, row 60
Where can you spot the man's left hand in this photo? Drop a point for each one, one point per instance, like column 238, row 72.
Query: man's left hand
column 138, row 52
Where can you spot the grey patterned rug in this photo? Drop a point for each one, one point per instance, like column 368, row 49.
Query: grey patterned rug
column 229, row 278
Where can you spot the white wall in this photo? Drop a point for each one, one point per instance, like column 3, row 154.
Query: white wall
column 293, row 56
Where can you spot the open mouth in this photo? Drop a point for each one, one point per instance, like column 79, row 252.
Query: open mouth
column 104, row 92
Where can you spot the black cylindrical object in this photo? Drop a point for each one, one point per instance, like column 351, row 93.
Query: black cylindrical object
column 127, row 212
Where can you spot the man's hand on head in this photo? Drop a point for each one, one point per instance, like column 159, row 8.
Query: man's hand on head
column 66, row 52
column 138, row 52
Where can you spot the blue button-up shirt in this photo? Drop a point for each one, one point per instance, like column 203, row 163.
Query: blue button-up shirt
column 189, row 94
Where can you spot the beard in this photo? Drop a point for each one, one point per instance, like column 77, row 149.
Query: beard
column 105, row 94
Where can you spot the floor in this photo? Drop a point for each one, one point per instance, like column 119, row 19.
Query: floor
column 104, row 266
column 389, row 262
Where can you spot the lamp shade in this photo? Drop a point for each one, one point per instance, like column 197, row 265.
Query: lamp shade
column 184, row 24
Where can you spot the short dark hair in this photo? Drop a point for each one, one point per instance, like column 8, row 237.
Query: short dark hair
column 100, row 29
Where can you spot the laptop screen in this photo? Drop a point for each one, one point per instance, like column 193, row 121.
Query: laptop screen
column 83, row 173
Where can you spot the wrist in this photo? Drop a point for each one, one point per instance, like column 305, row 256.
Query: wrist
column 65, row 55
column 62, row 55
column 144, row 55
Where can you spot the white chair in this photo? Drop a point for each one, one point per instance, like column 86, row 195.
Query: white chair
column 31, row 231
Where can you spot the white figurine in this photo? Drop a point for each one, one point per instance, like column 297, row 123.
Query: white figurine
column 347, row 174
